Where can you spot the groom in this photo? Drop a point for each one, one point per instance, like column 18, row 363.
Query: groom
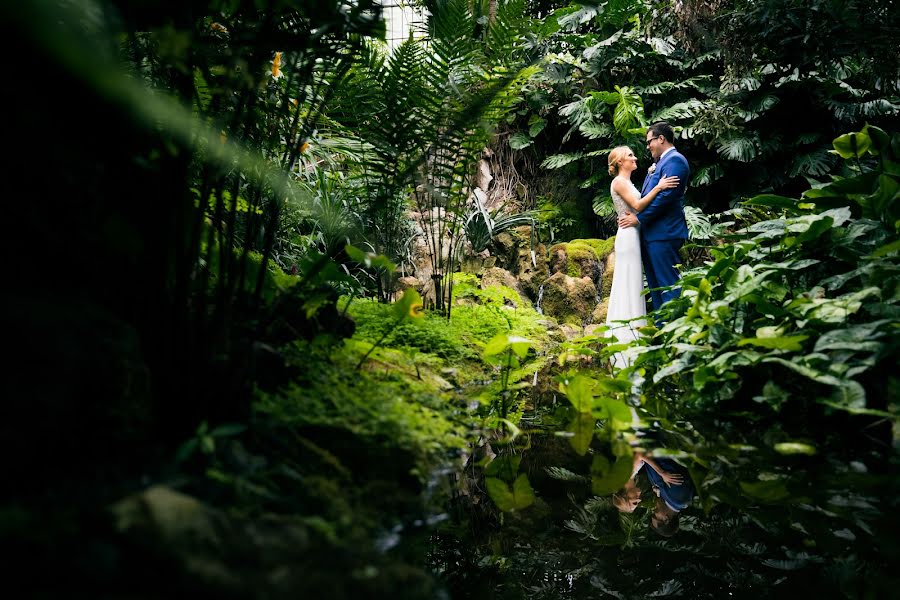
column 663, row 228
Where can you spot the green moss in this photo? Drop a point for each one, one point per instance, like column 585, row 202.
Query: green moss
column 601, row 248
column 458, row 340
column 577, row 251
column 468, row 286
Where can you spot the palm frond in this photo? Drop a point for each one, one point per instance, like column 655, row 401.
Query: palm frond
column 682, row 110
column 556, row 161
column 592, row 130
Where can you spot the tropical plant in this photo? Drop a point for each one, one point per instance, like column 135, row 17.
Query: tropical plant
column 426, row 113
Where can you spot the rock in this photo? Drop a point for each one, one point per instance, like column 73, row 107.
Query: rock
column 581, row 258
column 607, row 276
column 483, row 175
column 505, row 248
column 190, row 549
column 592, row 328
column 571, row 331
column 598, row 316
column 532, row 274
column 569, row 299
column 495, row 276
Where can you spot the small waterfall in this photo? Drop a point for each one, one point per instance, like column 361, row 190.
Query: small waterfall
column 540, row 299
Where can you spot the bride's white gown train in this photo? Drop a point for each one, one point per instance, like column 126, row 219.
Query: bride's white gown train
column 625, row 300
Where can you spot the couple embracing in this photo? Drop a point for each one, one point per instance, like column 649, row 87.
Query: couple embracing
column 651, row 231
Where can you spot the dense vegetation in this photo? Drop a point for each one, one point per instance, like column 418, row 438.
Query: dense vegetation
column 273, row 333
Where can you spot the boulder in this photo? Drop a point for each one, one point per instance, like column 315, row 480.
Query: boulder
column 581, row 258
column 569, row 299
column 532, row 272
column 495, row 276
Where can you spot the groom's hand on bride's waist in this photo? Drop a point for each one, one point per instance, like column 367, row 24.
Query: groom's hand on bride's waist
column 628, row 220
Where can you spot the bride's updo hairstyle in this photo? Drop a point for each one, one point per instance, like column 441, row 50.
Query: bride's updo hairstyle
column 617, row 154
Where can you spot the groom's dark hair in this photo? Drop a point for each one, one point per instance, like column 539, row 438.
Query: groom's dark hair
column 664, row 129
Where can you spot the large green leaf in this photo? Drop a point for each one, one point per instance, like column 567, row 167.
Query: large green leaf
column 607, row 479
column 793, row 343
column 580, row 392
column 503, row 467
column 852, row 145
column 737, row 148
column 582, row 430
column 507, row 498
column 773, row 490
column 520, row 140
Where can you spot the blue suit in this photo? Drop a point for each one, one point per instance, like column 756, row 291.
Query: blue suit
column 678, row 497
column 663, row 228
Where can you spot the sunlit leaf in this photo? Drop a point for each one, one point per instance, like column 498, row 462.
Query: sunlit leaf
column 791, row 448
column 582, row 429
column 607, row 479
column 766, row 491
column 508, row 499
column 788, row 342
column 852, row 145
column 520, row 140
column 503, row 467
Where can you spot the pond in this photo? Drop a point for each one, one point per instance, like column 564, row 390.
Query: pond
column 533, row 514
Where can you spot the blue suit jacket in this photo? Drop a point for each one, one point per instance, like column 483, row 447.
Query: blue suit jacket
column 663, row 219
column 678, row 497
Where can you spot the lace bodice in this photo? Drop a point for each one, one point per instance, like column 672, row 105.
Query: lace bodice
column 621, row 206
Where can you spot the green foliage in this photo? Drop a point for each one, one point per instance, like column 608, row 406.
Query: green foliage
column 425, row 115
column 459, row 339
column 385, row 406
column 609, row 72
column 468, row 287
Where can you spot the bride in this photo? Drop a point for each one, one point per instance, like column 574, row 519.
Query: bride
column 626, row 302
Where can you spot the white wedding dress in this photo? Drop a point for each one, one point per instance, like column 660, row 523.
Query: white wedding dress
column 626, row 303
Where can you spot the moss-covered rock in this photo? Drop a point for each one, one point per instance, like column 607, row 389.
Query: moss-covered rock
column 532, row 269
column 501, row 278
column 569, row 299
column 581, row 258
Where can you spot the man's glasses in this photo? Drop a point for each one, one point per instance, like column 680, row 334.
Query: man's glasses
column 650, row 140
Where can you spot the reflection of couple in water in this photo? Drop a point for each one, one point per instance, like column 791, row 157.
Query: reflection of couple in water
column 672, row 485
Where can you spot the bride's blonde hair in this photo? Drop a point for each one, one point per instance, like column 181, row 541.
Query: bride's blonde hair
column 617, row 154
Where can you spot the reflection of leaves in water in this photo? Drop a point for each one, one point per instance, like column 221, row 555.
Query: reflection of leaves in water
column 599, row 582
column 582, row 429
column 785, row 564
column 562, row 474
column 666, row 589
column 608, row 479
column 518, row 497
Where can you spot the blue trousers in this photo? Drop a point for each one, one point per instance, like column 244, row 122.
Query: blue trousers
column 660, row 258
